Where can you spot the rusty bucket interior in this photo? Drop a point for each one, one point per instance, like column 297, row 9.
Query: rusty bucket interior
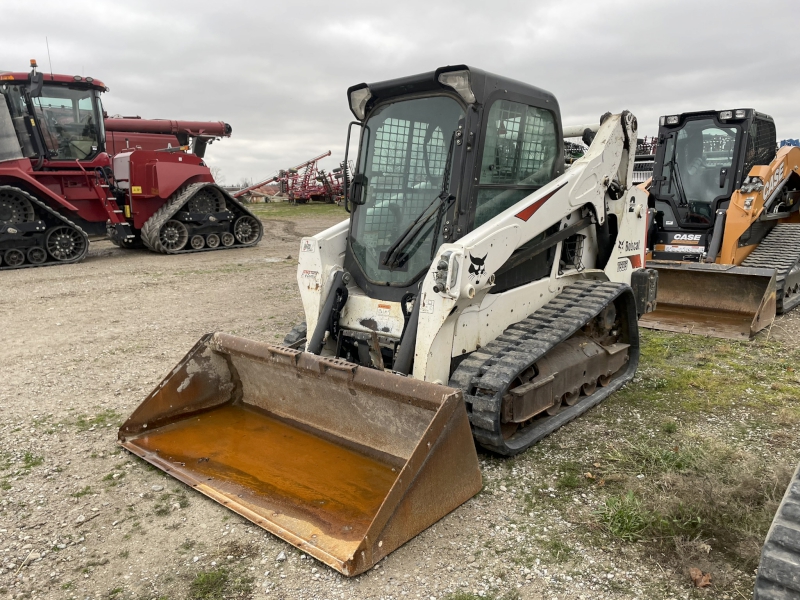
column 712, row 300
column 344, row 462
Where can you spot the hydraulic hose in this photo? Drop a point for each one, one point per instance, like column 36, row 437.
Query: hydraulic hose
column 402, row 363
column 317, row 339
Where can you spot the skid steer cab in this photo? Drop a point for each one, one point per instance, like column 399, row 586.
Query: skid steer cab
column 479, row 290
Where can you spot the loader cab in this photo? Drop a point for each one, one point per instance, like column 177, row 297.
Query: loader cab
column 60, row 119
column 440, row 154
column 701, row 158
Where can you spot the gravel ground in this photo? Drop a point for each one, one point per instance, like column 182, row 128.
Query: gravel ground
column 81, row 518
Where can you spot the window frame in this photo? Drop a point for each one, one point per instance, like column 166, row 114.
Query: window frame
column 394, row 291
column 558, row 165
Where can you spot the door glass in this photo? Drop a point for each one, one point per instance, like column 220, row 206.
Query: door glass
column 697, row 169
column 519, row 150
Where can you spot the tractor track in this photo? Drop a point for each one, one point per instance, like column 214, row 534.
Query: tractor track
column 152, row 227
column 487, row 374
column 780, row 251
column 52, row 214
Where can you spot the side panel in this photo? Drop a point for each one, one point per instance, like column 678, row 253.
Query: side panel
column 320, row 256
column 746, row 207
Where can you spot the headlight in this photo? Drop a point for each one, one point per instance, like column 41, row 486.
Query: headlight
column 725, row 115
column 459, row 81
column 358, row 101
column 661, row 121
column 741, row 113
column 673, row 120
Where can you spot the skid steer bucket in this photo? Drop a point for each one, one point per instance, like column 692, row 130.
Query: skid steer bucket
column 344, row 462
column 712, row 300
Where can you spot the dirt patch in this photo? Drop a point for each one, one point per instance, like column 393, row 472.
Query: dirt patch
column 79, row 517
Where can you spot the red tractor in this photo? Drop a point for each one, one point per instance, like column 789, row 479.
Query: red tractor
column 58, row 183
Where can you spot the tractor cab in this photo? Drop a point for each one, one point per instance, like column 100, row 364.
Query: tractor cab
column 50, row 118
column 701, row 159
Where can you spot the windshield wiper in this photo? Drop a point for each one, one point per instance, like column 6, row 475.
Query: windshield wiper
column 681, row 194
column 675, row 174
column 395, row 251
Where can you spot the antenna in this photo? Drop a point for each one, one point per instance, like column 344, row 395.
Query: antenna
column 48, row 57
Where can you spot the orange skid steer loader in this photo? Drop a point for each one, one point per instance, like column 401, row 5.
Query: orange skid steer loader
column 726, row 235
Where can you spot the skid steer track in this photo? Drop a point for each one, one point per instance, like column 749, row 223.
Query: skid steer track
column 780, row 250
column 63, row 242
column 778, row 575
column 242, row 227
column 488, row 373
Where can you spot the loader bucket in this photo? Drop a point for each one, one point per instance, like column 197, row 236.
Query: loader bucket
column 712, row 300
column 344, row 462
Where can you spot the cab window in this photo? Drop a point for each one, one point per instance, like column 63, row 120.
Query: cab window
column 518, row 157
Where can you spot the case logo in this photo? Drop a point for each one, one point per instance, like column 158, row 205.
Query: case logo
column 773, row 181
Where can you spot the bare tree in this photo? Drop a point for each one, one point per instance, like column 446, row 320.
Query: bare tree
column 217, row 174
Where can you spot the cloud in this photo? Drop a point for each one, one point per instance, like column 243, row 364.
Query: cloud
column 278, row 72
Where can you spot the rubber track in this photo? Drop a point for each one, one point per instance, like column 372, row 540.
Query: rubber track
column 778, row 575
column 296, row 336
column 780, row 250
column 487, row 373
column 153, row 225
column 56, row 215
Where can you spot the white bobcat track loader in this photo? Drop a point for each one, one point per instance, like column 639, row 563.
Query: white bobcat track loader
column 477, row 290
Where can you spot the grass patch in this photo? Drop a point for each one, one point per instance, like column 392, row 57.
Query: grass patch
column 220, row 583
column 81, row 493
column 105, row 417
column 624, row 517
column 559, row 550
column 167, row 500
column 693, row 457
column 30, row 460
column 571, row 476
column 284, row 210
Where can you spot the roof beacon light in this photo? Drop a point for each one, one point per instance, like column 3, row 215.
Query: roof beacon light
column 33, row 64
column 358, row 102
column 459, row 81
column 741, row 113
column 673, row 120
column 725, row 115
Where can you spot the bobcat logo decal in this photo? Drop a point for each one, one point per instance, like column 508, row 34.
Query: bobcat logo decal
column 477, row 266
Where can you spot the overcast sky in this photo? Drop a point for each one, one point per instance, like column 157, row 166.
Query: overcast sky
column 278, row 71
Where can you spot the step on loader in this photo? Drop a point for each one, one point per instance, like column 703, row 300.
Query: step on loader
column 725, row 239
column 478, row 292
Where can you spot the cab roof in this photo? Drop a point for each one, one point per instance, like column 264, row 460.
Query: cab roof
column 483, row 84
column 50, row 78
